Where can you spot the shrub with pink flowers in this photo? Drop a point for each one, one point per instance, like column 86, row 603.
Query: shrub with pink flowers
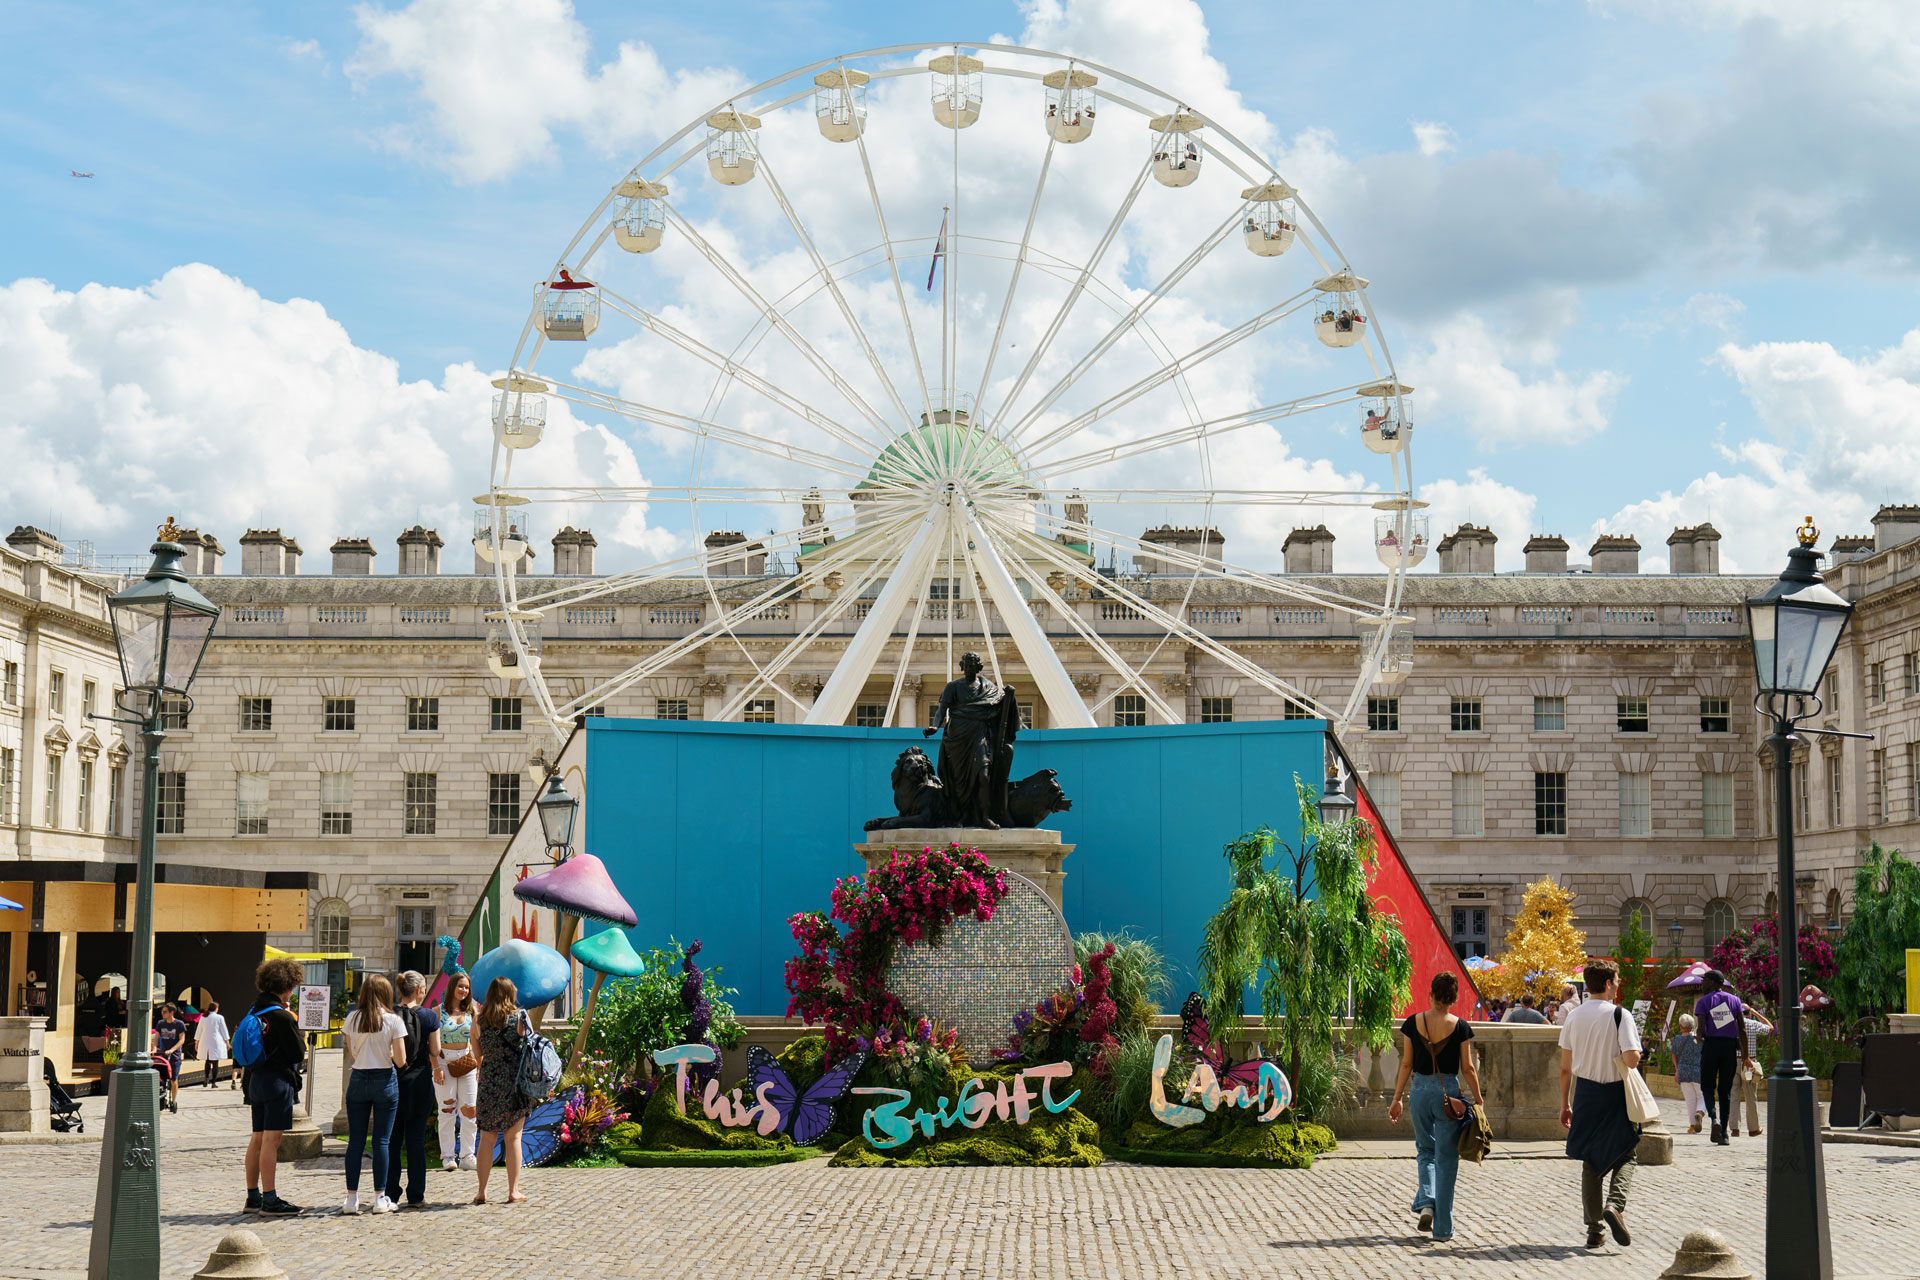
column 1751, row 959
column 839, row 979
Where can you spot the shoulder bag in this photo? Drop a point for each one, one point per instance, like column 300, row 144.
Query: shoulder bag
column 1456, row 1108
column 1642, row 1108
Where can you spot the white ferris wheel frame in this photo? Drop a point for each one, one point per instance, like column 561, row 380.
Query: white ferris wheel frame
column 920, row 524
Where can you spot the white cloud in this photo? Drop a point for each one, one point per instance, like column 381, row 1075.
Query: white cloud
column 1484, row 501
column 196, row 397
column 1434, row 138
column 1466, row 380
column 303, row 50
column 498, row 77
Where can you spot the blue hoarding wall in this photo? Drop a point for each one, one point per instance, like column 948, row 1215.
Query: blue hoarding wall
column 721, row 831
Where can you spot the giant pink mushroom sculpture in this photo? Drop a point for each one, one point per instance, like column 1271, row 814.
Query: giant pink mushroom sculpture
column 579, row 889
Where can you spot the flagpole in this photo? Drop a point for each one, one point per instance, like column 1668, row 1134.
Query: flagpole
column 945, row 278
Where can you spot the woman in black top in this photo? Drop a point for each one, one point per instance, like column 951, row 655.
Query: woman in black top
column 1436, row 1050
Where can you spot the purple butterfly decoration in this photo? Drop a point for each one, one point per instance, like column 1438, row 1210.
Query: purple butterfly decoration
column 807, row 1116
column 1198, row 1034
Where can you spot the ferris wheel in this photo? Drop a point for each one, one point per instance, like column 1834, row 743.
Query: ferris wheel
column 952, row 342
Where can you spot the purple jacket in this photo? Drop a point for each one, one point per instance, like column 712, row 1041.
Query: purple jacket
column 1720, row 1016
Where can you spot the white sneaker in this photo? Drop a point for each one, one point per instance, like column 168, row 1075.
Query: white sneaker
column 384, row 1205
column 449, row 1164
column 469, row 1163
column 352, row 1203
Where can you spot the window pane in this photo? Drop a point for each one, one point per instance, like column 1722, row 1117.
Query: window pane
column 1469, row 804
column 1549, row 804
column 676, row 709
column 7, row 768
column 503, row 803
column 1716, row 715
column 171, row 802
column 1383, row 715
column 503, row 715
column 337, row 715
column 86, row 791
column 256, row 715
column 866, row 715
column 250, row 804
column 1129, row 710
column 173, row 711
column 1720, row 921
column 1549, row 715
column 1218, row 710
column 1716, row 804
column 1632, row 715
column 1385, row 790
column 1834, row 774
column 421, row 798
column 1636, row 804
column 423, row 715
column 336, row 804
column 759, row 711
column 1465, row 714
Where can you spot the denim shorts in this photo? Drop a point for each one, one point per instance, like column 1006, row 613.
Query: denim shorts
column 271, row 1097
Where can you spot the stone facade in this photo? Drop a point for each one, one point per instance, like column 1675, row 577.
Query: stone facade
column 1592, row 727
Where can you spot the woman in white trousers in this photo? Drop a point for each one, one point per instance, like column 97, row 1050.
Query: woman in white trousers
column 457, row 1093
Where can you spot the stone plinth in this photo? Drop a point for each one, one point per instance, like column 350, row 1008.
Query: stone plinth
column 1035, row 853
column 24, row 1103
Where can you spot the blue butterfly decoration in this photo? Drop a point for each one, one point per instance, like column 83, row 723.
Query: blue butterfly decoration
column 540, row 1136
column 805, row 1116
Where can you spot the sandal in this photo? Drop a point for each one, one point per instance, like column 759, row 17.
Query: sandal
column 479, row 1200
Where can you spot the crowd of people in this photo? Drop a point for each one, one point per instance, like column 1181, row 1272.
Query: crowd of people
column 457, row 1063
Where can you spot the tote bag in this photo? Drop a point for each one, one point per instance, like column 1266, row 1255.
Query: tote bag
column 1642, row 1109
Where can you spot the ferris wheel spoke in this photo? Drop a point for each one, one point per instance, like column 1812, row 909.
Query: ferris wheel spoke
column 1199, row 431
column 1064, row 703
column 1019, row 261
column 1173, row 624
column 1178, row 367
column 778, row 321
column 1073, row 295
column 1290, row 588
column 740, row 373
column 1126, row 323
column 856, row 662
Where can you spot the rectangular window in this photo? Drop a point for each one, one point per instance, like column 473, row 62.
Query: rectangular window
column 1631, row 715
column 1636, row 804
column 503, row 803
column 7, row 759
column 1833, row 791
column 1876, row 682
column 1877, row 786
column 57, row 693
column 1913, row 779
column 759, row 711
column 1910, row 674
column 1216, row 711
column 250, row 804
column 503, row 715
column 256, row 715
column 1802, row 798
column 337, row 715
column 1465, row 715
column 1129, row 710
column 1469, row 804
column 86, row 794
column 1383, row 715
column 336, row 804
column 1296, row 710
column 1766, row 800
column 171, row 802
column 1716, row 804
column 1025, row 711
column 116, row 787
column 423, row 715
column 1716, row 715
column 1385, row 790
column 595, row 711
column 51, row 816
column 1549, row 804
column 676, row 709
column 88, row 692
column 10, row 683
column 420, row 795
column 174, row 710
column 1549, row 715
column 866, row 715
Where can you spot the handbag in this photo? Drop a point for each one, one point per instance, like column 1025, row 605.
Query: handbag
column 463, row 1064
column 1642, row 1109
column 1456, row 1108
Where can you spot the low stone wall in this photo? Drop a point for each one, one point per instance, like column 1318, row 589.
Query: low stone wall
column 1668, row 1087
column 1519, row 1074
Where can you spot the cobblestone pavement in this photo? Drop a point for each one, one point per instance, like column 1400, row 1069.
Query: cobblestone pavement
column 1346, row 1217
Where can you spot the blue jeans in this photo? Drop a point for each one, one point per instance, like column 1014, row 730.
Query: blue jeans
column 371, row 1096
column 1436, row 1140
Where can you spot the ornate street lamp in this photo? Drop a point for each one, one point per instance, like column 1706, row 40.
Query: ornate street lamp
column 161, row 627
column 1335, row 805
column 557, row 809
column 1795, row 627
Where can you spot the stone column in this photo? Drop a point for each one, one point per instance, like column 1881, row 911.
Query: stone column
column 24, row 1106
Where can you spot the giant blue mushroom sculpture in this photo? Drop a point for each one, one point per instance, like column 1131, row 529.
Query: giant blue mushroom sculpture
column 539, row 973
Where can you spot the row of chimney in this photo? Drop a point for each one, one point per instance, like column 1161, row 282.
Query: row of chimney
column 1469, row 549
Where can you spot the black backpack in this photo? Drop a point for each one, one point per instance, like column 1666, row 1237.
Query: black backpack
column 416, row 1043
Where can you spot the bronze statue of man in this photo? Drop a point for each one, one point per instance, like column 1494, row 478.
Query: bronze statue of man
column 980, row 721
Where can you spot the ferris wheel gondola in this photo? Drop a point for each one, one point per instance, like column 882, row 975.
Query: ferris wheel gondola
column 943, row 483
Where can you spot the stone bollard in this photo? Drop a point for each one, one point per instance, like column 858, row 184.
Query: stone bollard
column 1705, row 1255
column 240, row 1256
column 24, row 1101
column 1656, row 1144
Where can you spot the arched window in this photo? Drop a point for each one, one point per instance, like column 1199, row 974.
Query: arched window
column 1833, row 906
column 333, row 925
column 1720, row 922
column 1773, row 905
column 1645, row 909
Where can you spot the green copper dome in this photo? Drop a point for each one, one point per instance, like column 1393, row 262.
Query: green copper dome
column 946, row 443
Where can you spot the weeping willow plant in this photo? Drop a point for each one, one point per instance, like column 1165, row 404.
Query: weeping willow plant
column 1308, row 933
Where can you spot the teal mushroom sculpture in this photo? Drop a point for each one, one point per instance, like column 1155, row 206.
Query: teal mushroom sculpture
column 606, row 952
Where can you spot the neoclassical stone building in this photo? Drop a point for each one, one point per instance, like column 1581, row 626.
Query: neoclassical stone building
column 1588, row 722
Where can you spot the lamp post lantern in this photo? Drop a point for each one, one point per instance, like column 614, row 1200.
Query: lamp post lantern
column 1795, row 627
column 1335, row 805
column 161, row 627
column 557, row 809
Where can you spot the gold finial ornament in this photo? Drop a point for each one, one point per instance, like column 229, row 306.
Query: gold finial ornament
column 170, row 532
column 1808, row 533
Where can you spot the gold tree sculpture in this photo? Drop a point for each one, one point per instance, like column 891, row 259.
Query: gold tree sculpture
column 1543, row 947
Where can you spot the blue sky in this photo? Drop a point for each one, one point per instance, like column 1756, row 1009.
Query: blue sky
column 1649, row 264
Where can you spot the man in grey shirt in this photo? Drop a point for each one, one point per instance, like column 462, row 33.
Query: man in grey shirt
column 1525, row 1012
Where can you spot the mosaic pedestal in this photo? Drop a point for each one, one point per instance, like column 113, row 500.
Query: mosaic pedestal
column 1034, row 853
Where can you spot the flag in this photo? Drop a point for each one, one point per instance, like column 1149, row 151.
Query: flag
column 939, row 247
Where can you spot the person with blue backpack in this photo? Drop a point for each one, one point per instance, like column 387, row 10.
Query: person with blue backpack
column 268, row 1050
column 501, row 1041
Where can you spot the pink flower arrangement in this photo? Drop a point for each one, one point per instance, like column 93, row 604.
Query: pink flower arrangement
column 839, row 978
column 587, row 1115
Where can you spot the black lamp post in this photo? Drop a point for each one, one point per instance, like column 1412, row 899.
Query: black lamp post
column 557, row 809
column 1795, row 627
column 161, row 627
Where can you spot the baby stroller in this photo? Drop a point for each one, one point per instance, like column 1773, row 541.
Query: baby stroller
column 66, row 1112
column 163, row 1067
